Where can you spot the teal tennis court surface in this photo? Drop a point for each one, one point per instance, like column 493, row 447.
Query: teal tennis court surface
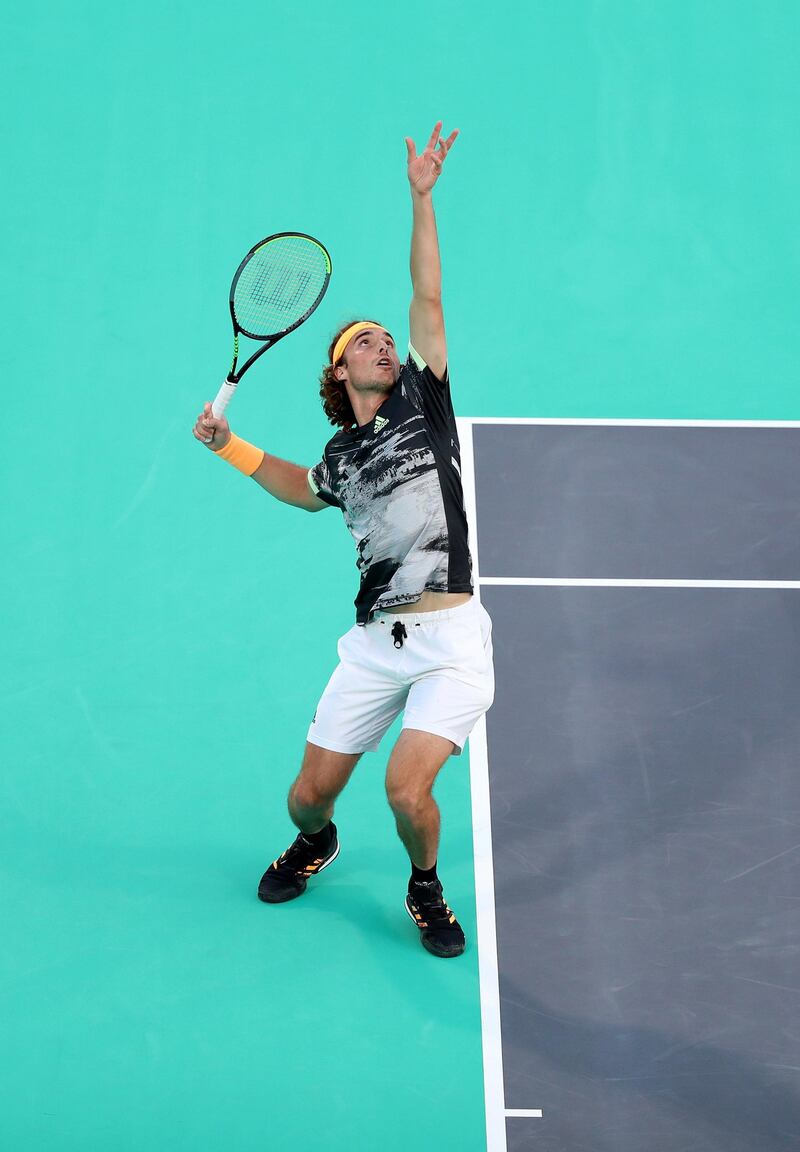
column 635, row 788
column 618, row 229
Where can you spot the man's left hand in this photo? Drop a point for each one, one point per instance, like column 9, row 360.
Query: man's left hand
column 424, row 170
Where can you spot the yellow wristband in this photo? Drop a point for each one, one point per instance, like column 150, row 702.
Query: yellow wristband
column 246, row 457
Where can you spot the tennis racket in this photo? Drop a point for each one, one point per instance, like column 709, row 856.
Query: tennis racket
column 276, row 287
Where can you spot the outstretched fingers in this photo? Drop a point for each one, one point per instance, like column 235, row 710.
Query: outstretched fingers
column 447, row 144
column 438, row 148
column 434, row 140
column 433, row 156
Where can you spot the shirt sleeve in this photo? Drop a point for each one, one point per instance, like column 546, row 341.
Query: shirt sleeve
column 427, row 392
column 417, row 361
column 320, row 483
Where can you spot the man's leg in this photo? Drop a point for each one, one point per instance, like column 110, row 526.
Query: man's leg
column 413, row 767
column 322, row 777
column 311, row 798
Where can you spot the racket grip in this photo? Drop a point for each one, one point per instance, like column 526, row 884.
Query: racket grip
column 223, row 398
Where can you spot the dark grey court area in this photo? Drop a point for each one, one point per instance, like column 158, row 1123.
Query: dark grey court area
column 644, row 767
column 622, row 502
column 643, row 757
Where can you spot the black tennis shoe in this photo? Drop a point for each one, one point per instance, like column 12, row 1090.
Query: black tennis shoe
column 440, row 932
column 286, row 877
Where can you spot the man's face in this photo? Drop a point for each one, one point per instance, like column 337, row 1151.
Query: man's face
column 370, row 362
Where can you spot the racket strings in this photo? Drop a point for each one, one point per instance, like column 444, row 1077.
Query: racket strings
column 279, row 284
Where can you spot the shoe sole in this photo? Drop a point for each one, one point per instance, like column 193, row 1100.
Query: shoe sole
column 425, row 945
column 294, row 895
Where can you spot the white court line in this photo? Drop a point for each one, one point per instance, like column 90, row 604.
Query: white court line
column 523, row 1111
column 491, row 1038
column 610, row 423
column 555, row 581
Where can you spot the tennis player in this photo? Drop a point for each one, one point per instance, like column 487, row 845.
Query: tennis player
column 421, row 643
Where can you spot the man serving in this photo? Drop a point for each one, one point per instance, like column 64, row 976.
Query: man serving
column 421, row 643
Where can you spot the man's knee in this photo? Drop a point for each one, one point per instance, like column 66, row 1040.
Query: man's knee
column 407, row 798
column 322, row 777
column 308, row 794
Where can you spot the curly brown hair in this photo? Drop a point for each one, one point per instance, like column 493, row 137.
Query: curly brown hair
column 335, row 401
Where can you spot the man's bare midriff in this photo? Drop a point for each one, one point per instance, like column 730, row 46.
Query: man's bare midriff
column 433, row 602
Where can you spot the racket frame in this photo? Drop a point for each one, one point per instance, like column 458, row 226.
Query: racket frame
column 272, row 339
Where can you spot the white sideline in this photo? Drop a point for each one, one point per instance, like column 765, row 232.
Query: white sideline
column 555, row 581
column 491, row 1039
column 470, row 420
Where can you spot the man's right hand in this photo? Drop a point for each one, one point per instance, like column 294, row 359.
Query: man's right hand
column 213, row 431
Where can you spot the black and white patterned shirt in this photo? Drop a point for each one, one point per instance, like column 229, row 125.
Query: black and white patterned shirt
column 398, row 482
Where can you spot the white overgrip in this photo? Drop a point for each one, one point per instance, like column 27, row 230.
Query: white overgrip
column 223, row 398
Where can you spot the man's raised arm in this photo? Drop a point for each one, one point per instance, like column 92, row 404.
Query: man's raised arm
column 426, row 319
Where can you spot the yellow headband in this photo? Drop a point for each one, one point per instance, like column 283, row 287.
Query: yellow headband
column 348, row 335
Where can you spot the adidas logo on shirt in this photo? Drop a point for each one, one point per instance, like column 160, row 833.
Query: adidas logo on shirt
column 380, row 423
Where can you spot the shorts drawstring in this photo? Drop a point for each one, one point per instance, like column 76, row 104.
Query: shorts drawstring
column 399, row 633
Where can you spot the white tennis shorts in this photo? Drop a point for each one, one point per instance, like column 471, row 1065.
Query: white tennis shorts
column 443, row 676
